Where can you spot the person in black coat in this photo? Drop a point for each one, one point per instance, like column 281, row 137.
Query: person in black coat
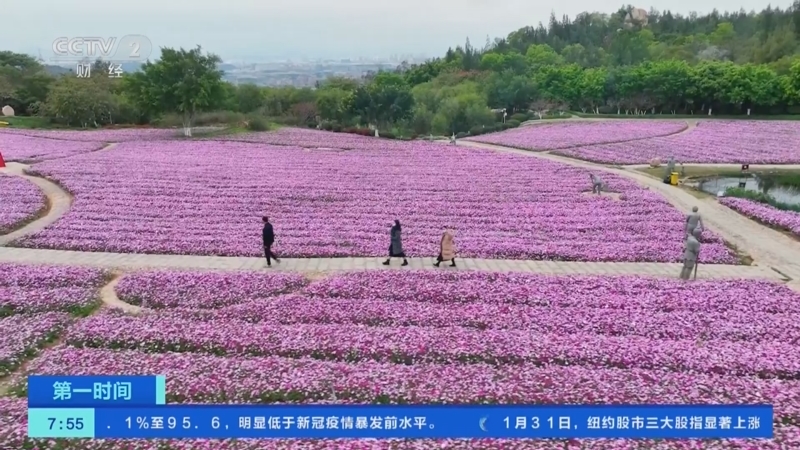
column 268, row 236
column 396, row 245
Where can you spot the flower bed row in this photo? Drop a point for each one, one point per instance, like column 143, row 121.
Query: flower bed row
column 717, row 141
column 649, row 307
column 50, row 277
column 414, row 345
column 22, row 148
column 21, row 200
column 192, row 289
column 324, row 141
column 561, row 135
column 297, row 309
column 25, row 300
column 37, row 303
column 23, row 334
column 207, row 198
column 612, row 292
column 195, row 378
column 787, row 220
column 112, row 135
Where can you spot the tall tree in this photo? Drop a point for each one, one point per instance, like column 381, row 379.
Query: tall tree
column 182, row 81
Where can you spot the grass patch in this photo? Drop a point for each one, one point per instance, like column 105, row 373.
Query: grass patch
column 744, row 258
column 28, row 122
column 785, row 178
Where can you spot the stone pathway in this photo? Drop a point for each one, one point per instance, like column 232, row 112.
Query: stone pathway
column 59, row 201
column 108, row 295
column 767, row 247
column 130, row 261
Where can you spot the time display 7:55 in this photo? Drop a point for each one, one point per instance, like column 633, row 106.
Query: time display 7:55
column 69, row 423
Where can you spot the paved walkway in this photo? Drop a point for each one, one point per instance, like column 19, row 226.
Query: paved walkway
column 130, row 261
column 59, row 203
column 767, row 247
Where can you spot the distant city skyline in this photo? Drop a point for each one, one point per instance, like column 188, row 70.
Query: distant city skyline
column 258, row 31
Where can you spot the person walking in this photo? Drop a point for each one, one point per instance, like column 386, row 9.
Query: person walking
column 447, row 249
column 693, row 219
column 396, row 245
column 268, row 236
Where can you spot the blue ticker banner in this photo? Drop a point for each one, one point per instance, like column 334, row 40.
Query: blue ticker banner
column 405, row 422
column 95, row 391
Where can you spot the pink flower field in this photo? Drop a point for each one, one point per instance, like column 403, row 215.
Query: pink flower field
column 37, row 304
column 579, row 133
column 388, row 337
column 22, row 148
column 20, row 201
column 207, row 198
column 315, row 139
column 108, row 135
column 786, row 220
column 717, row 141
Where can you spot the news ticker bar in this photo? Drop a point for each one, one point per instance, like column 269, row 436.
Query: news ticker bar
column 404, row 422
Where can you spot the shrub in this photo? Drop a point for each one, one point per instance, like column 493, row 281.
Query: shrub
column 519, row 117
column 461, row 135
column 256, row 123
column 331, row 126
column 512, row 123
column 217, row 118
column 475, row 131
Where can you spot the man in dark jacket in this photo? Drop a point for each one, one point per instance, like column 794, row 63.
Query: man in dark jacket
column 268, row 235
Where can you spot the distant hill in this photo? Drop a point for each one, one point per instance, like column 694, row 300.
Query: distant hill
column 57, row 70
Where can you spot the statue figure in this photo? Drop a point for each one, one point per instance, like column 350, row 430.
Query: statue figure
column 670, row 167
column 376, row 132
column 453, row 139
column 691, row 253
column 693, row 219
column 597, row 184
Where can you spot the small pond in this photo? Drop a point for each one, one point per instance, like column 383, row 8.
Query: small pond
column 780, row 193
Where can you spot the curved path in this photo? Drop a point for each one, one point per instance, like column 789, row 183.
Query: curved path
column 768, row 247
column 108, row 295
column 59, row 202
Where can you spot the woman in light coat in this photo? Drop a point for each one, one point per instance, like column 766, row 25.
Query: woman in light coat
column 447, row 249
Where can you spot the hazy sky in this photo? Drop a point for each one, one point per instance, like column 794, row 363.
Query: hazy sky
column 235, row 29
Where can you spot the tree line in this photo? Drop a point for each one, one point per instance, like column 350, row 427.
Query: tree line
column 719, row 64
